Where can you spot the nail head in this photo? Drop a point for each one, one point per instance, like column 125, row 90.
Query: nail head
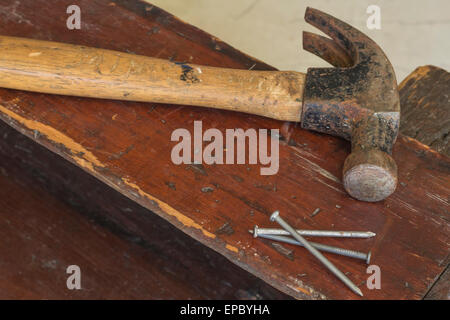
column 274, row 215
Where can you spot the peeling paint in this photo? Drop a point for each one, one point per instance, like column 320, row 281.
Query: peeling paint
column 186, row 221
column 299, row 289
column 232, row 248
column 420, row 144
column 80, row 154
column 83, row 163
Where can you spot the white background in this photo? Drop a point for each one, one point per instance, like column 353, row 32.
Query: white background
column 413, row 32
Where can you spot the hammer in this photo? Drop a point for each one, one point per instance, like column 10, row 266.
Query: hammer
column 357, row 100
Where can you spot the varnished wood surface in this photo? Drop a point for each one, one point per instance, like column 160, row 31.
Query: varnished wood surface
column 425, row 105
column 54, row 215
column 127, row 145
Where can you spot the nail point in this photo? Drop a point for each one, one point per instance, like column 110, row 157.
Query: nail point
column 358, row 291
column 315, row 252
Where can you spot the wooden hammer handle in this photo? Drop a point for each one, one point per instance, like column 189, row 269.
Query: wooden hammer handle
column 58, row 68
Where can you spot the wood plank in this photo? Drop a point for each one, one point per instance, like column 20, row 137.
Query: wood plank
column 42, row 237
column 425, row 113
column 441, row 289
column 55, row 215
column 127, row 146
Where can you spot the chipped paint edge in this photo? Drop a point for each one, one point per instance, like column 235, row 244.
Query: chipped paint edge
column 186, row 221
column 89, row 161
column 80, row 154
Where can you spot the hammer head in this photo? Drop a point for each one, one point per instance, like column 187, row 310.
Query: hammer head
column 357, row 100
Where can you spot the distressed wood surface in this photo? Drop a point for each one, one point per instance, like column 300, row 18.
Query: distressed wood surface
column 441, row 289
column 425, row 116
column 425, row 102
column 127, row 146
column 54, row 215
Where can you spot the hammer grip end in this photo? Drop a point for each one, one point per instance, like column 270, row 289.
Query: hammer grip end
column 370, row 175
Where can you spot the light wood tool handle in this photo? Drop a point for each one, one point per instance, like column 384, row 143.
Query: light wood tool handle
column 66, row 69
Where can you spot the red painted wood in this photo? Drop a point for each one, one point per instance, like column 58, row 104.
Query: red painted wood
column 55, row 215
column 127, row 146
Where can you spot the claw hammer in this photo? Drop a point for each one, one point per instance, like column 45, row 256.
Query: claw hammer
column 357, row 99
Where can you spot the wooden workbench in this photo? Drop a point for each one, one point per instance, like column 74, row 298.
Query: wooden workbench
column 160, row 226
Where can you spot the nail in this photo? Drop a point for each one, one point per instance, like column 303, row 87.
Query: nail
column 315, row 233
column 276, row 217
column 319, row 246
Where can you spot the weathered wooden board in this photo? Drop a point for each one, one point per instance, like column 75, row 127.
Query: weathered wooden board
column 425, row 105
column 127, row 146
column 54, row 215
column 441, row 289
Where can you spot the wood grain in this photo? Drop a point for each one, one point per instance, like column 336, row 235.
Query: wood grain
column 55, row 215
column 425, row 114
column 59, row 68
column 441, row 289
column 127, row 146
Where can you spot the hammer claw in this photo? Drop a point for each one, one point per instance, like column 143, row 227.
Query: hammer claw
column 327, row 49
column 358, row 100
column 342, row 33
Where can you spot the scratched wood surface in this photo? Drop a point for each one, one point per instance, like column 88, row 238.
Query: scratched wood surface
column 54, row 215
column 425, row 105
column 127, row 146
column 441, row 289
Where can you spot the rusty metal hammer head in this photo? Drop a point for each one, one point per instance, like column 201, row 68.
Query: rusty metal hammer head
column 357, row 100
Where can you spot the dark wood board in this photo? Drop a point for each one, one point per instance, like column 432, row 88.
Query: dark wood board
column 441, row 289
column 425, row 116
column 425, row 113
column 127, row 146
column 54, row 215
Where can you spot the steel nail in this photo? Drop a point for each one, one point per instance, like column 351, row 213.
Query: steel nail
column 319, row 246
column 276, row 217
column 315, row 233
